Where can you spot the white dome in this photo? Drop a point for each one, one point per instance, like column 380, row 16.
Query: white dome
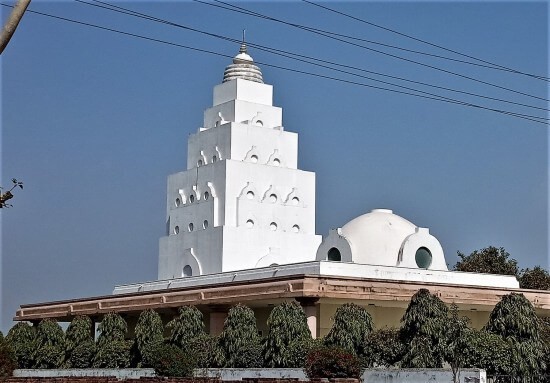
column 376, row 237
column 385, row 239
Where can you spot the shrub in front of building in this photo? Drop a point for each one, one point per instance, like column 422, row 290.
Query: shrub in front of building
column 21, row 338
column 79, row 343
column 49, row 345
column 383, row 348
column 8, row 363
column 171, row 361
column 148, row 336
column 287, row 324
column 113, row 350
column 332, row 362
column 239, row 345
column 352, row 325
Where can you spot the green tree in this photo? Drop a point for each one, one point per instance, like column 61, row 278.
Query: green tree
column 536, row 279
column 490, row 260
column 169, row 360
column 488, row 351
column 79, row 343
column 50, row 345
column 239, row 343
column 383, row 348
column 456, row 341
column 352, row 324
column 423, row 331
column 515, row 320
column 113, row 350
column 287, row 324
column 21, row 337
column 148, row 336
column 186, row 327
column 8, row 362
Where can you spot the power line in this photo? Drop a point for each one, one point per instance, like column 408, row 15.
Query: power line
column 514, row 114
column 303, row 58
column 245, row 11
column 495, row 66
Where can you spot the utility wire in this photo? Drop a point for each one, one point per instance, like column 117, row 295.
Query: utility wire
column 495, row 66
column 303, row 58
column 518, row 115
column 238, row 9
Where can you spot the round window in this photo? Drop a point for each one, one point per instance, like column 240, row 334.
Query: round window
column 295, row 201
column 423, row 258
column 250, row 224
column 273, row 226
column 254, row 158
column 296, row 228
column 334, row 255
column 187, row 271
column 190, row 227
column 205, row 224
column 276, row 162
column 250, row 195
column 273, row 198
column 206, row 196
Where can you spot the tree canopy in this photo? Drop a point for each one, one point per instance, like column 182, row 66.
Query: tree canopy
column 490, row 260
column 536, row 278
column 352, row 324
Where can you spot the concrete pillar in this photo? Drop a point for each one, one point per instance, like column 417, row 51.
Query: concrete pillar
column 217, row 318
column 311, row 309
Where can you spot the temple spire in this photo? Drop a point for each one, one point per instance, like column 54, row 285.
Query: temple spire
column 243, row 66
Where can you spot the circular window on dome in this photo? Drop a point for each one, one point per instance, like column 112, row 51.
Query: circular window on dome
column 276, row 162
column 295, row 201
column 254, row 158
column 250, row 195
column 423, row 258
column 296, row 229
column 273, row 226
column 273, row 198
column 334, row 255
column 250, row 224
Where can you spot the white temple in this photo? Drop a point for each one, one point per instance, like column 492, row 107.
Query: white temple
column 241, row 229
column 243, row 203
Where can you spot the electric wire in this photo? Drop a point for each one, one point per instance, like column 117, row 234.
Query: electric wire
column 78, row 22
column 245, row 11
column 303, row 58
column 495, row 66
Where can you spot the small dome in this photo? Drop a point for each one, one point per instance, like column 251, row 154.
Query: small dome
column 383, row 238
column 243, row 67
column 376, row 234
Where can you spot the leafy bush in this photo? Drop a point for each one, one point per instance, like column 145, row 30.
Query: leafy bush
column 113, row 354
column 490, row 260
column 287, row 324
column 21, row 338
column 352, row 324
column 536, row 278
column 205, row 349
column 170, row 360
column 239, row 342
column 148, row 336
column 82, row 356
column 332, row 362
column 515, row 320
column 79, row 340
column 186, row 327
column 296, row 353
column 423, row 330
column 488, row 351
column 112, row 349
column 8, row 362
column 50, row 345
column 383, row 347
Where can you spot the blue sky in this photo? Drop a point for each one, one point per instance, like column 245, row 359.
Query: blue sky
column 93, row 122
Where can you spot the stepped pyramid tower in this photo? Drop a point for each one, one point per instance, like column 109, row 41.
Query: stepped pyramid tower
column 242, row 203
